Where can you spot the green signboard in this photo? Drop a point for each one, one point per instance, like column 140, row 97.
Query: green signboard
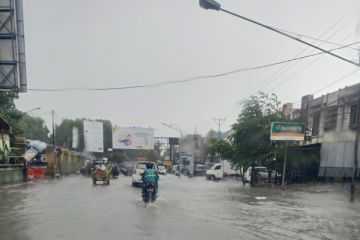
column 283, row 131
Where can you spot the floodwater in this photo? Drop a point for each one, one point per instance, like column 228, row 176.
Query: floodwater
column 187, row 208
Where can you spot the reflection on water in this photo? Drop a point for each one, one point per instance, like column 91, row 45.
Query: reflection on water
column 72, row 208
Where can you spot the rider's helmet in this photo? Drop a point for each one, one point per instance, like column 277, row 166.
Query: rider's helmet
column 149, row 166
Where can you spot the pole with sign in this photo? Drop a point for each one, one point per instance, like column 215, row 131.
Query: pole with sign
column 285, row 131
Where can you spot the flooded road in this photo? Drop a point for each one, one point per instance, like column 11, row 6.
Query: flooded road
column 72, row 208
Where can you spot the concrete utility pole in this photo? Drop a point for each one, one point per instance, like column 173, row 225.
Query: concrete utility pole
column 219, row 121
column 53, row 142
column 356, row 147
column 284, row 166
column 196, row 144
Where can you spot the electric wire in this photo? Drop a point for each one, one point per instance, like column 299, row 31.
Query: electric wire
column 183, row 80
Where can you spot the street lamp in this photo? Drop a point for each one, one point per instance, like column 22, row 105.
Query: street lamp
column 178, row 129
column 210, row 4
column 33, row 109
column 213, row 5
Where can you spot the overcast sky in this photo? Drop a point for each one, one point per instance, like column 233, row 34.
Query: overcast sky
column 112, row 43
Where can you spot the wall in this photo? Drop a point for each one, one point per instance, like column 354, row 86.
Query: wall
column 11, row 175
column 337, row 145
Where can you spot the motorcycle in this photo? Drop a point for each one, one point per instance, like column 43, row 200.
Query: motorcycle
column 149, row 195
column 115, row 172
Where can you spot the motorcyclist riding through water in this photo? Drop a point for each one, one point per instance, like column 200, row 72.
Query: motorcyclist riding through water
column 150, row 176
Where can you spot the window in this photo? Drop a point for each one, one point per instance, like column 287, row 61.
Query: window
column 262, row 170
column 218, row 167
column 141, row 166
column 316, row 124
column 331, row 118
column 353, row 116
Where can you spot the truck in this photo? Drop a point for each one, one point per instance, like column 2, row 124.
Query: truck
column 221, row 170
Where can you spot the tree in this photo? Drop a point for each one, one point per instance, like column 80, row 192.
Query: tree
column 9, row 111
column 35, row 128
column 222, row 147
column 107, row 126
column 63, row 133
column 212, row 134
column 251, row 133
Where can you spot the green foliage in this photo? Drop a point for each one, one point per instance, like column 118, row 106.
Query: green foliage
column 251, row 133
column 107, row 134
column 35, row 128
column 222, row 147
column 63, row 133
column 212, row 134
column 9, row 111
column 117, row 156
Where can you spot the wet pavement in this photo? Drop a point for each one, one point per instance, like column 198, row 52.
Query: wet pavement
column 72, row 208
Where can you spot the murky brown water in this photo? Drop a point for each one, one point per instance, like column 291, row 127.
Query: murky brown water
column 71, row 208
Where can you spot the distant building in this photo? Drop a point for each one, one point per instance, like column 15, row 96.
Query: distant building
column 290, row 112
column 332, row 120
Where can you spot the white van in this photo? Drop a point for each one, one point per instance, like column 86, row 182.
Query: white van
column 138, row 170
column 221, row 170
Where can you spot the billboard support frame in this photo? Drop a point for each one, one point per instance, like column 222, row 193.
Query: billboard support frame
column 12, row 58
column 286, row 131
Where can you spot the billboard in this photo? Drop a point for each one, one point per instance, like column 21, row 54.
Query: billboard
column 282, row 131
column 75, row 137
column 133, row 138
column 93, row 136
column 173, row 141
column 12, row 45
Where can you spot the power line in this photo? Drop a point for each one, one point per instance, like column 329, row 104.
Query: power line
column 268, row 80
column 302, row 69
column 276, row 75
column 287, row 35
column 332, row 83
column 183, row 80
column 299, row 71
column 316, row 39
column 336, row 81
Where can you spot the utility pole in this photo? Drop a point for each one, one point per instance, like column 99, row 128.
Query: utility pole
column 356, row 147
column 219, row 121
column 196, row 144
column 53, row 142
column 284, row 166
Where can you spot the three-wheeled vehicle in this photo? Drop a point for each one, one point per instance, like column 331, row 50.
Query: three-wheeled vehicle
column 100, row 172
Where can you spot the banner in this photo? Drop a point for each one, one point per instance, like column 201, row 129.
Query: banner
column 93, row 136
column 75, row 137
column 282, row 131
column 133, row 138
